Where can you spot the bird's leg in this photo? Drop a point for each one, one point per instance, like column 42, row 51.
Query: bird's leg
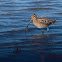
column 43, row 30
column 47, row 29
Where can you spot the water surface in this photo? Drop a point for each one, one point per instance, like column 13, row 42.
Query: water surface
column 31, row 45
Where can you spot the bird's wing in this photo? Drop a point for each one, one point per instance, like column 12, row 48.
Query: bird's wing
column 45, row 21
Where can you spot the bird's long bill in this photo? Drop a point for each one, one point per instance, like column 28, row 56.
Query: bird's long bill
column 29, row 23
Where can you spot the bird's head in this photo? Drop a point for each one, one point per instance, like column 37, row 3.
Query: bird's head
column 33, row 17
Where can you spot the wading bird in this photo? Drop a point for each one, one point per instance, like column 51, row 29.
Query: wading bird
column 41, row 22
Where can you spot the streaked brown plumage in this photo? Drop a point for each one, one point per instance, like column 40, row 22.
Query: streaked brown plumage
column 41, row 22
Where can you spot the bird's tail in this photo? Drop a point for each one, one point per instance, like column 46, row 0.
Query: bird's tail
column 54, row 21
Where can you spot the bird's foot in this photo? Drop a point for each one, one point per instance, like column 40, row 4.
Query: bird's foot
column 47, row 29
column 43, row 30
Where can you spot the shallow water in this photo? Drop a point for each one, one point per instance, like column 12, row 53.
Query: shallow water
column 20, row 45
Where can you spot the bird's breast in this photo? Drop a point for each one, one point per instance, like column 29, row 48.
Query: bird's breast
column 39, row 25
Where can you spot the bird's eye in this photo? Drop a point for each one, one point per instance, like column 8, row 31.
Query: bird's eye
column 48, row 20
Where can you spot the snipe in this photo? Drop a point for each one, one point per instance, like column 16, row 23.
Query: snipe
column 41, row 22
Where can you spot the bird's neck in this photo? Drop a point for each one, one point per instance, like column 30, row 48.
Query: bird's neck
column 35, row 21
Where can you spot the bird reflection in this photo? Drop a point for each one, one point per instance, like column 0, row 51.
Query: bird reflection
column 42, row 45
column 40, row 36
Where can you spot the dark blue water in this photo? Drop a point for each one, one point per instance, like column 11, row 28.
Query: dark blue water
column 31, row 45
